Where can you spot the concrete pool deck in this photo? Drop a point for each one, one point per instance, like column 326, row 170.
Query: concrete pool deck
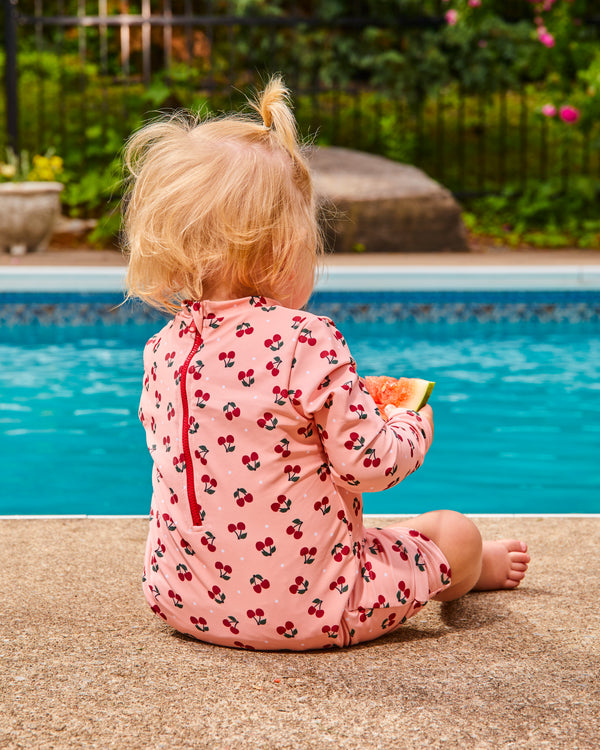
column 480, row 256
column 86, row 665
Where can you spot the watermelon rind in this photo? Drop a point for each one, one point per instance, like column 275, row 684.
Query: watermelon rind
column 423, row 389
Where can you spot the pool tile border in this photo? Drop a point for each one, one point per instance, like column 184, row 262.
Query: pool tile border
column 93, row 296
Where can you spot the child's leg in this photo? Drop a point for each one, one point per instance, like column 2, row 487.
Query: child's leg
column 475, row 565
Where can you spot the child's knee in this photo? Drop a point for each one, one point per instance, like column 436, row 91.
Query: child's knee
column 462, row 537
column 469, row 534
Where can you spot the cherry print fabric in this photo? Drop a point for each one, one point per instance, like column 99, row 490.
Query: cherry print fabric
column 263, row 438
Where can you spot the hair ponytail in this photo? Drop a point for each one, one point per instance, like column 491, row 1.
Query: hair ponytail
column 273, row 105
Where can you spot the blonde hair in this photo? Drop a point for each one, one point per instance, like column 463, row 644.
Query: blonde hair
column 224, row 199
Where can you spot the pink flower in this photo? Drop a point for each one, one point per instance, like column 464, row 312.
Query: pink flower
column 549, row 110
column 569, row 114
column 474, row 3
column 546, row 39
column 482, row 43
column 451, row 17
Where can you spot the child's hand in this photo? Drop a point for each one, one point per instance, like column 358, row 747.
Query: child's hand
column 427, row 413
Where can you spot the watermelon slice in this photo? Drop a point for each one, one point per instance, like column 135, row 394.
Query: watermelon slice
column 410, row 393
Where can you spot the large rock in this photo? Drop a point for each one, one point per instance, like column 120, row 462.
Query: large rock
column 382, row 206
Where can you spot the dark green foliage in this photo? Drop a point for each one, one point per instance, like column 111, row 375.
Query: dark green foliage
column 461, row 100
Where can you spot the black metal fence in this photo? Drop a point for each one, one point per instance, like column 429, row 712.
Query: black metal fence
column 81, row 74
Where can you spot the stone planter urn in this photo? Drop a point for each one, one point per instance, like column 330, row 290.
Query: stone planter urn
column 28, row 212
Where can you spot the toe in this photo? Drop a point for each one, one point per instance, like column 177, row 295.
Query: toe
column 522, row 567
column 514, row 545
column 518, row 557
column 516, row 575
column 511, row 583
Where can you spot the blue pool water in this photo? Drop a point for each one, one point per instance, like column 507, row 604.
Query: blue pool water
column 517, row 417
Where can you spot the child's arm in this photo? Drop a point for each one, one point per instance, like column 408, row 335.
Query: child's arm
column 363, row 450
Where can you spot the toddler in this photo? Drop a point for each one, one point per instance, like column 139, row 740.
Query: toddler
column 262, row 434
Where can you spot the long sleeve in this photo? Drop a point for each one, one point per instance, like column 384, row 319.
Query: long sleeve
column 364, row 451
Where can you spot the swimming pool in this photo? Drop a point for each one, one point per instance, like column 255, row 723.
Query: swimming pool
column 516, row 404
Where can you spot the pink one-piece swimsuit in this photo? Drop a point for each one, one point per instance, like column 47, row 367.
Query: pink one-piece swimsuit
column 263, row 438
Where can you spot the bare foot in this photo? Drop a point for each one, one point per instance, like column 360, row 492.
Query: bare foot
column 503, row 565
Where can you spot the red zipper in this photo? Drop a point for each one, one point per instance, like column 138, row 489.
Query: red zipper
column 185, row 438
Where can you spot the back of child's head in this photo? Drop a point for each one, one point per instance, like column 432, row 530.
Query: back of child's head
column 226, row 200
